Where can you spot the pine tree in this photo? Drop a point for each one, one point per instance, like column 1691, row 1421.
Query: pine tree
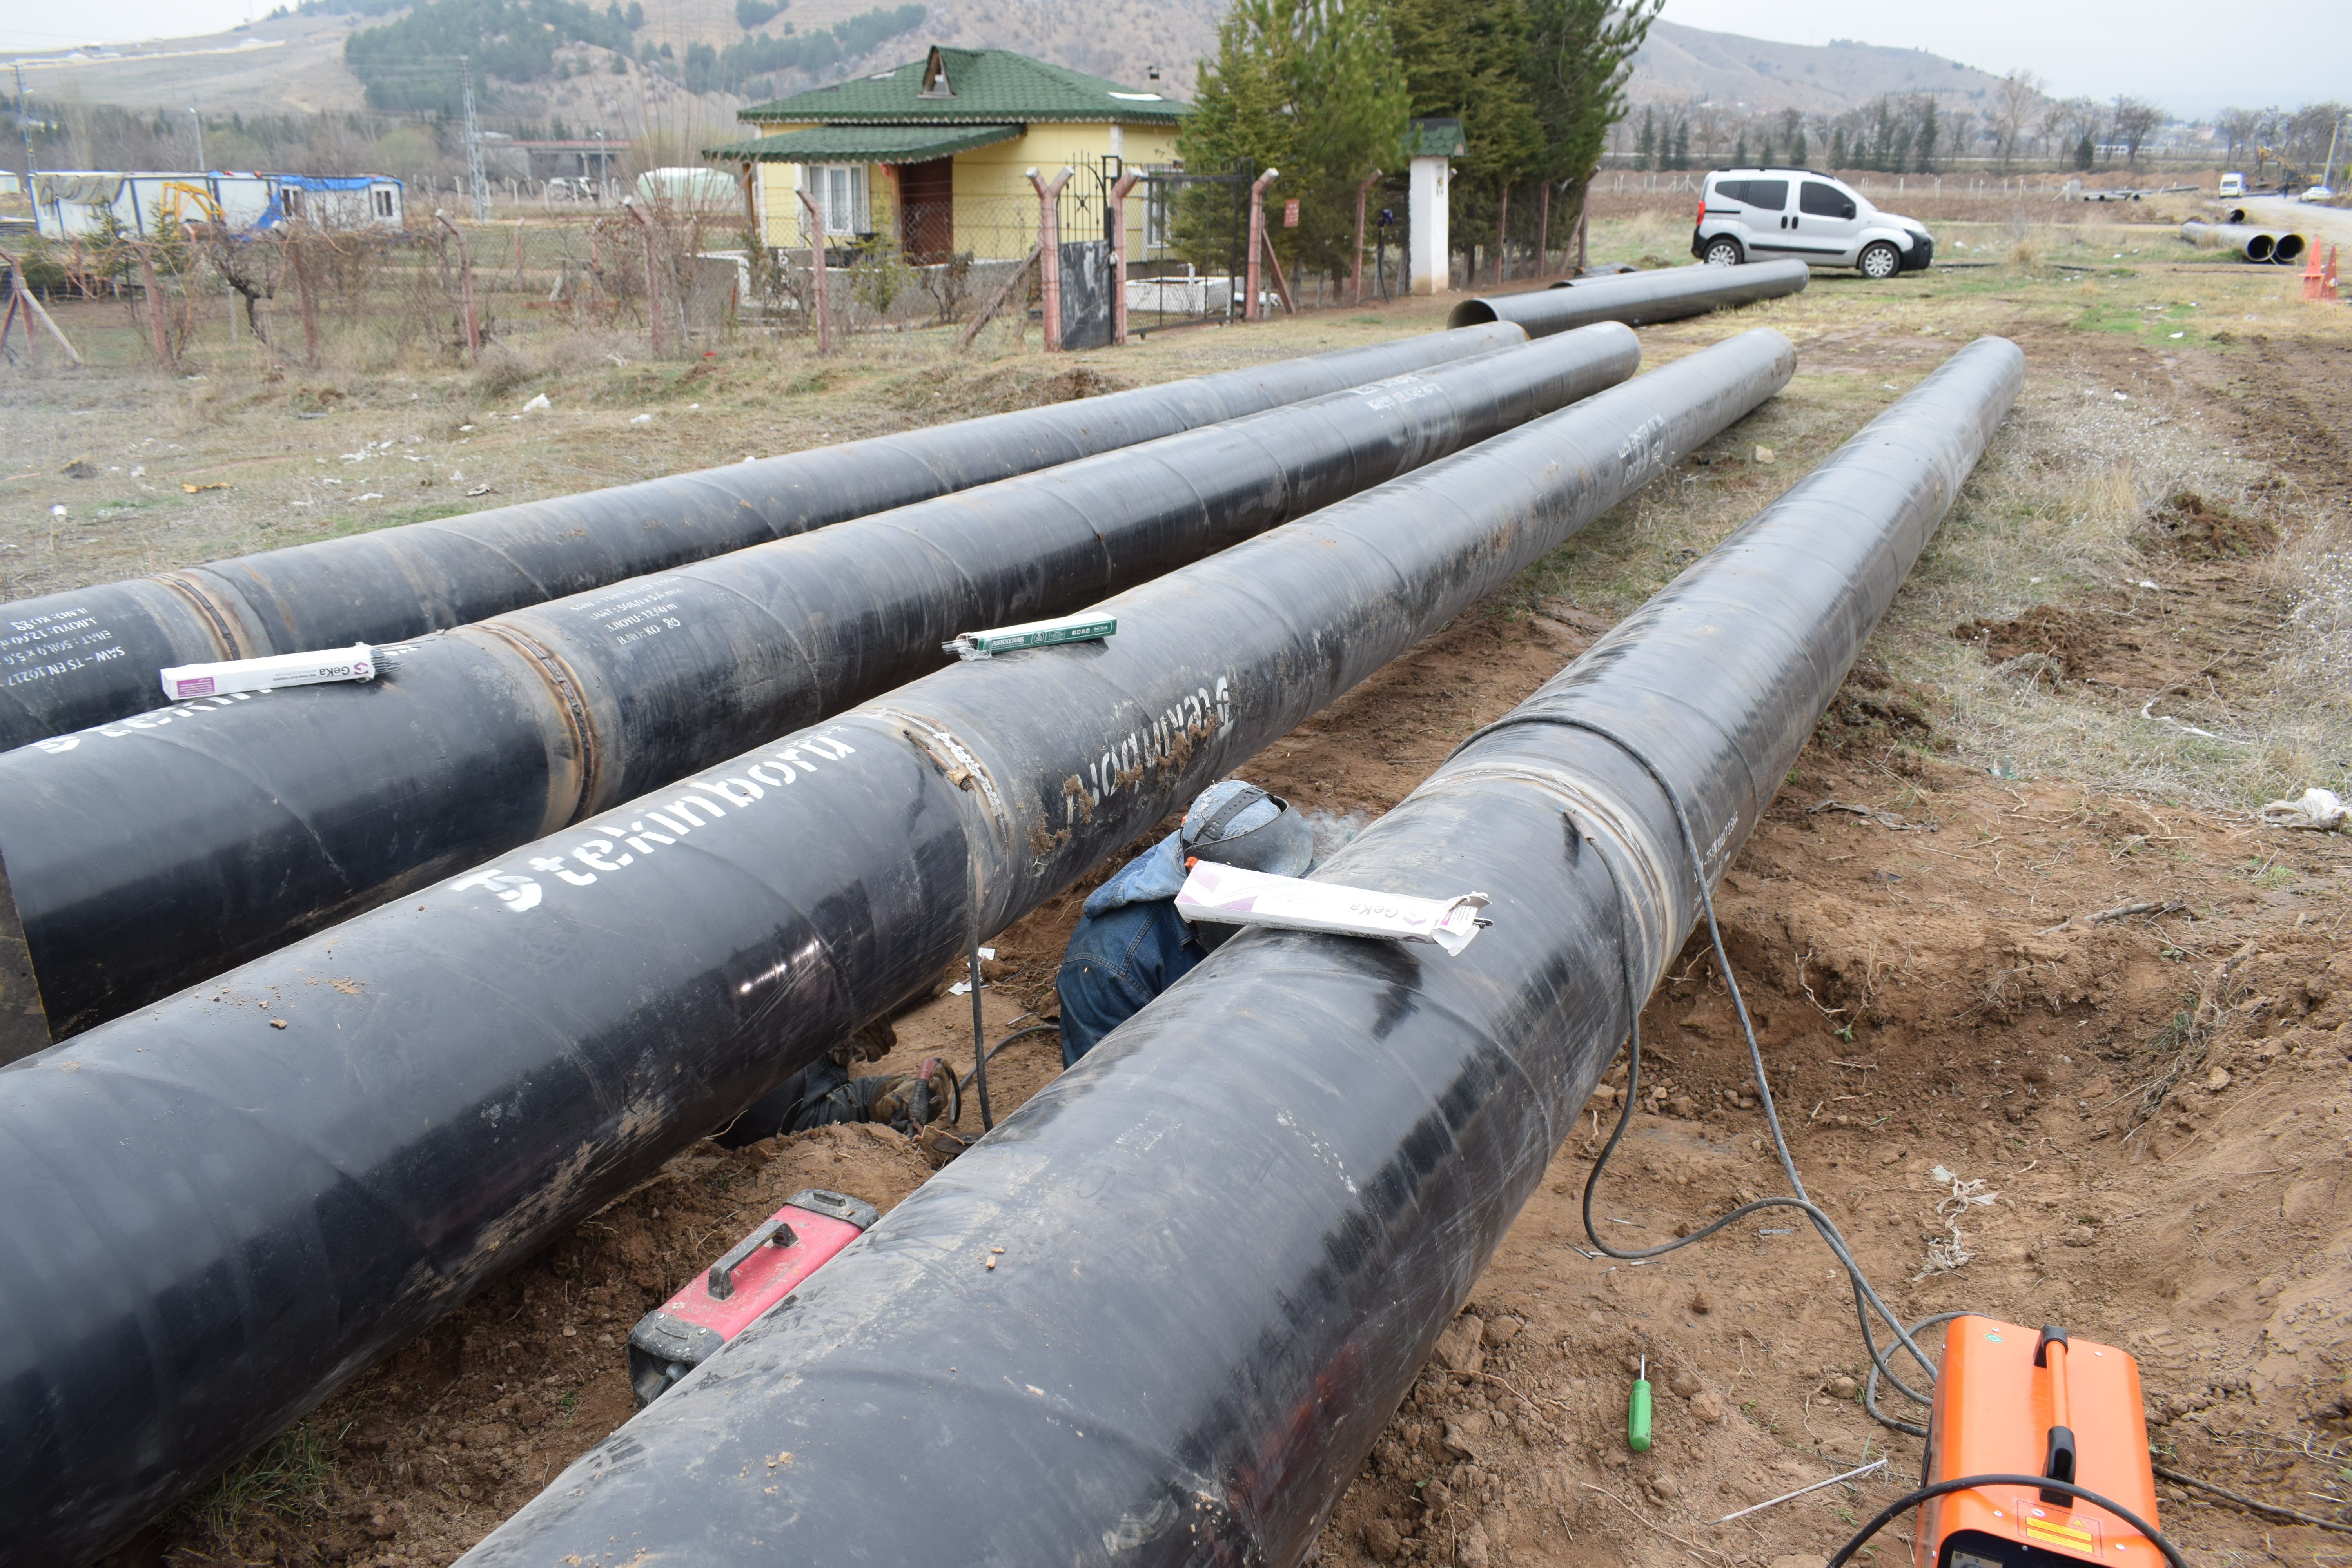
column 1739, row 151
column 1468, row 58
column 1308, row 86
column 1837, row 150
column 1682, row 145
column 2085, row 152
column 1580, row 55
column 1928, row 130
column 1646, row 145
column 1764, row 153
column 1797, row 148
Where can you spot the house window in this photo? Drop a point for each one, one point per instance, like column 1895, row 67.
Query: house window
column 839, row 192
column 382, row 203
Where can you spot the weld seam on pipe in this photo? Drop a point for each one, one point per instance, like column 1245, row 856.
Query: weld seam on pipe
column 1636, row 298
column 129, row 880
column 502, row 1054
column 396, row 584
column 1231, row 1236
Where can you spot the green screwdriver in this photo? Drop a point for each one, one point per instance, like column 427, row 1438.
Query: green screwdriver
column 1637, row 1410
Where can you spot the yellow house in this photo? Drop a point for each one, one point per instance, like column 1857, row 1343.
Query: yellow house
column 934, row 155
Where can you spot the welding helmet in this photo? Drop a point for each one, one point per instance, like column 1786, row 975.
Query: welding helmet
column 1238, row 823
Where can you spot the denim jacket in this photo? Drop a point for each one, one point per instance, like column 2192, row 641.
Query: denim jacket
column 1129, row 946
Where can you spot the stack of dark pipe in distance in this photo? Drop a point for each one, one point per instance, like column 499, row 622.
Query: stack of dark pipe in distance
column 1635, row 297
column 1224, row 1244
column 214, row 1221
column 142, row 857
column 83, row 658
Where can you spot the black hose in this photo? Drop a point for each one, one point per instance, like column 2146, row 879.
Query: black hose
column 1962, row 1483
column 147, row 855
column 1635, row 297
column 81, row 657
column 465, row 1073
column 1016, row 1035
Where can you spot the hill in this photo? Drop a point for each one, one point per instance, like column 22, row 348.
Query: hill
column 1688, row 65
column 295, row 64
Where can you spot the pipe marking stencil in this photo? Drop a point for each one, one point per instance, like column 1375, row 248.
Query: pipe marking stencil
column 665, row 824
column 1167, row 739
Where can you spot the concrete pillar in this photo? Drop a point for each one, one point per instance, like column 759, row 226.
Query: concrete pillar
column 1432, row 261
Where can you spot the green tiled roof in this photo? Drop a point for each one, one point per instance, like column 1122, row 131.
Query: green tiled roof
column 865, row 144
column 980, row 86
column 1434, row 139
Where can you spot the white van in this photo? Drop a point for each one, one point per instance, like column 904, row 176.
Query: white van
column 2233, row 184
column 1766, row 214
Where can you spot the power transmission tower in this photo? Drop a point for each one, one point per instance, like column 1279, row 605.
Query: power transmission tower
column 474, row 147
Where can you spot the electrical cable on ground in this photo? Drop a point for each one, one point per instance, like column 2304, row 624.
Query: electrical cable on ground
column 1866, row 1297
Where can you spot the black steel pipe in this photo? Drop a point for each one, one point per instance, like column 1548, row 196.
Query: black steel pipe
column 1636, row 298
column 1231, row 1236
column 147, row 854
column 73, row 659
column 218, row 1211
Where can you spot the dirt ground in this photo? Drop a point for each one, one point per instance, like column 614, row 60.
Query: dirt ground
column 2012, row 916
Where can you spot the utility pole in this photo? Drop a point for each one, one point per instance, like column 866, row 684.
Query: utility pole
column 25, row 125
column 474, row 147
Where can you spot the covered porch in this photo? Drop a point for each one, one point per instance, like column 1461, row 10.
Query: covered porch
column 912, row 202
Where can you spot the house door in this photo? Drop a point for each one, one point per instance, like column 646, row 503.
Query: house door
column 927, row 210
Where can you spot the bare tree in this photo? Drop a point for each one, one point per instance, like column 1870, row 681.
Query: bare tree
column 2136, row 120
column 2239, row 127
column 2015, row 99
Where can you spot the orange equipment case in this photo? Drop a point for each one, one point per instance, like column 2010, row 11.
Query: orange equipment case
column 2009, row 1401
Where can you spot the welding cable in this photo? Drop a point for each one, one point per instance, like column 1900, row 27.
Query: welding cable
column 1866, row 1298
column 1016, row 1035
column 1904, row 1334
column 1963, row 1483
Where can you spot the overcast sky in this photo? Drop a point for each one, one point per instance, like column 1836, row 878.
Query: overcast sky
column 2185, row 54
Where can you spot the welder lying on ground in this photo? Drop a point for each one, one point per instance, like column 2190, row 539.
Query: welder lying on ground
column 1131, row 944
column 823, row 1094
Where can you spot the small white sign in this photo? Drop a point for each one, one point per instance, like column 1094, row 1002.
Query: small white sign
column 357, row 662
column 1228, row 895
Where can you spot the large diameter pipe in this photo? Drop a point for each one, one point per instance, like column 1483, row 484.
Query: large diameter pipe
column 1231, row 1236
column 2251, row 241
column 214, row 1221
column 145, row 856
column 73, row 659
column 1636, row 298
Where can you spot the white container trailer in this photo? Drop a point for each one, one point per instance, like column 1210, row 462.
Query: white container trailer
column 75, row 204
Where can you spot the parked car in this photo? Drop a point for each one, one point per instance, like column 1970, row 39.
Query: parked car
column 1766, row 214
column 2318, row 193
column 2233, row 184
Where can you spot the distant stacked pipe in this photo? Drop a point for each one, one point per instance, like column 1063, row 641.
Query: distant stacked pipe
column 144, row 856
column 2255, row 242
column 222, row 1207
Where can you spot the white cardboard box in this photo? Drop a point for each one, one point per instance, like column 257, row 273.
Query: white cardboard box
column 1229, row 895
column 181, row 681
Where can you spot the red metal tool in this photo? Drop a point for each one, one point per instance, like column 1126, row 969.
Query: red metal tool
column 723, row 1301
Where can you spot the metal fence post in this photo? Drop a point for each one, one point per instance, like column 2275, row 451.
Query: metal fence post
column 1049, row 251
column 1118, row 193
column 1251, row 309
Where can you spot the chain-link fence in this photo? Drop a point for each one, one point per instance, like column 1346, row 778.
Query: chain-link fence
column 681, row 280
